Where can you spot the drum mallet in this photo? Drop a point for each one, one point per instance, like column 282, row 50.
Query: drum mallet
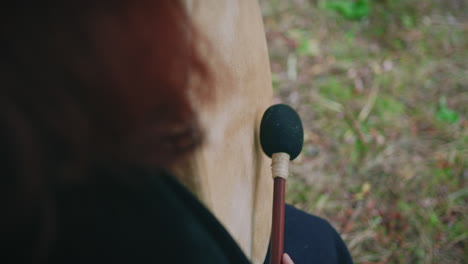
column 281, row 137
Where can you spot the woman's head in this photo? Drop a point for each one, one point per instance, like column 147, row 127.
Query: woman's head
column 92, row 82
column 102, row 73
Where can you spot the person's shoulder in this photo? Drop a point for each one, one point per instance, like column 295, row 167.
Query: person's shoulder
column 313, row 238
column 295, row 214
column 137, row 215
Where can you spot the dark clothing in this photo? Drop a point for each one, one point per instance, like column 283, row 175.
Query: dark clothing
column 149, row 217
column 310, row 239
column 154, row 219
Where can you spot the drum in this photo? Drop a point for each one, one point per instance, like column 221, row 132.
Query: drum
column 229, row 173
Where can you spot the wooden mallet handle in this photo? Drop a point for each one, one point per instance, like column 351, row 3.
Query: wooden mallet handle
column 281, row 137
column 279, row 168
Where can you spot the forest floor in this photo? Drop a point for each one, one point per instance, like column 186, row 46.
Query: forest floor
column 382, row 88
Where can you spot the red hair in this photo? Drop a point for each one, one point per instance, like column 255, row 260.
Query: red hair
column 88, row 83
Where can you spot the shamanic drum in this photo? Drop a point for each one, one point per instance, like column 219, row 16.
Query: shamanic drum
column 229, row 173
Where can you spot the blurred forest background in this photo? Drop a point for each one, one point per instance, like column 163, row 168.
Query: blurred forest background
column 382, row 87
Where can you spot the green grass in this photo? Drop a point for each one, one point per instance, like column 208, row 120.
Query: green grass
column 384, row 99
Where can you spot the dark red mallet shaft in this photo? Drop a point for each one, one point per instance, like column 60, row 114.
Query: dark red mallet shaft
column 277, row 226
column 281, row 137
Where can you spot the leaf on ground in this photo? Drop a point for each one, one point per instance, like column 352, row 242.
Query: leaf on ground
column 353, row 10
column 445, row 114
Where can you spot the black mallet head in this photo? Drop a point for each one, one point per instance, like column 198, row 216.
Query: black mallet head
column 281, row 131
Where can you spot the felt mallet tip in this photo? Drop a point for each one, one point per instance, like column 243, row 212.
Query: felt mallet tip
column 281, row 131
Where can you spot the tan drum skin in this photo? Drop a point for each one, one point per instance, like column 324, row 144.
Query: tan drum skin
column 229, row 173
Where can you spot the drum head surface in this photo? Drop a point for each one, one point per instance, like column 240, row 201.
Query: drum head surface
column 229, row 173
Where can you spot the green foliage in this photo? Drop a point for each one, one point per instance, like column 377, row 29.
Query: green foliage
column 373, row 108
column 443, row 174
column 308, row 47
column 350, row 9
column 335, row 90
column 299, row 191
column 388, row 108
column 407, row 21
column 404, row 206
column 458, row 230
column 434, row 220
column 445, row 114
